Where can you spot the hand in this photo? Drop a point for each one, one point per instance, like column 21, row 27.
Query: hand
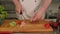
column 18, row 9
column 36, row 17
column 39, row 14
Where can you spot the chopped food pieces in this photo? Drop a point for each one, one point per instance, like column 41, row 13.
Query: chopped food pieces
column 13, row 23
column 22, row 23
column 47, row 25
column 18, row 22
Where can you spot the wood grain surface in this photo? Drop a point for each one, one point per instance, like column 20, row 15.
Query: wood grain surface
column 27, row 27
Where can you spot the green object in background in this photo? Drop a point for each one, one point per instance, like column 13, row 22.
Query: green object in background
column 3, row 14
column 12, row 23
column 1, row 8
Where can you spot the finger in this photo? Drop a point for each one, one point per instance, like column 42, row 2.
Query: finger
column 32, row 18
column 35, row 14
column 35, row 19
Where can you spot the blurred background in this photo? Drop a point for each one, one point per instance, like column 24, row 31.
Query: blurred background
column 51, row 12
column 9, row 7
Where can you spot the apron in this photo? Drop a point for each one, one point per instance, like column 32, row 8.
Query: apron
column 29, row 7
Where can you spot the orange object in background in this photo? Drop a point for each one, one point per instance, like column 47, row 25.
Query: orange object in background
column 5, row 32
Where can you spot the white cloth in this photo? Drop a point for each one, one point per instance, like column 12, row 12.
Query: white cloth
column 28, row 6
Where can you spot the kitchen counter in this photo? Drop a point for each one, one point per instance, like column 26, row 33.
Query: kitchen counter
column 27, row 27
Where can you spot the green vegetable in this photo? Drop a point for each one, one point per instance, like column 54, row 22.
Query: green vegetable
column 12, row 23
column 3, row 14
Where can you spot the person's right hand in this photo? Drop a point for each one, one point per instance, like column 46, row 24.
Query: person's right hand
column 18, row 9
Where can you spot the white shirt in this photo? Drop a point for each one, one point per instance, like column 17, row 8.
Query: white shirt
column 28, row 6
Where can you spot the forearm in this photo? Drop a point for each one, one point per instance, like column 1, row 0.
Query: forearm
column 44, row 6
column 17, row 3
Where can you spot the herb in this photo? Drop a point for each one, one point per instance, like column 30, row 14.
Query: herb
column 3, row 14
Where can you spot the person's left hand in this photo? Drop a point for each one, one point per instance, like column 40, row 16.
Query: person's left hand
column 36, row 17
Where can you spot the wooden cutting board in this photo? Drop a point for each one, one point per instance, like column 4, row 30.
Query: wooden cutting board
column 27, row 27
